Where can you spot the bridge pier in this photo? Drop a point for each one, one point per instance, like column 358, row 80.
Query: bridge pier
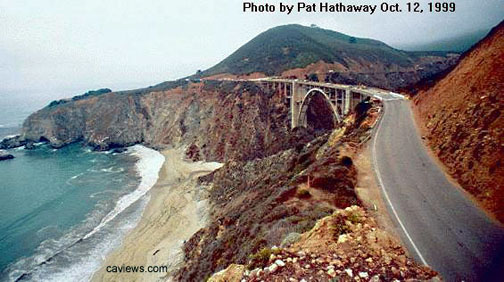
column 297, row 95
column 346, row 101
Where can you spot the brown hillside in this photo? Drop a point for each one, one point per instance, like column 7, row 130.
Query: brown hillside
column 462, row 117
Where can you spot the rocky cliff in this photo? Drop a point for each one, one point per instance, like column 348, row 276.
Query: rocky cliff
column 223, row 120
column 258, row 203
column 345, row 246
column 381, row 74
column 462, row 116
column 277, row 200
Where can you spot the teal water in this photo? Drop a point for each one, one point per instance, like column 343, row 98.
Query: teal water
column 51, row 199
column 62, row 211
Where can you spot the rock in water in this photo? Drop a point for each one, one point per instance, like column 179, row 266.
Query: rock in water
column 119, row 150
column 12, row 142
column 5, row 156
column 29, row 146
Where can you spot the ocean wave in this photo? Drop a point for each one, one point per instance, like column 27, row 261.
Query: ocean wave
column 70, row 180
column 24, row 268
column 86, row 258
column 80, row 250
column 148, row 167
column 102, row 193
column 112, row 169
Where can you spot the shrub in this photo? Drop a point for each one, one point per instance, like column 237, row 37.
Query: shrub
column 346, row 161
column 339, row 226
column 57, row 102
column 354, row 218
column 261, row 258
column 303, row 193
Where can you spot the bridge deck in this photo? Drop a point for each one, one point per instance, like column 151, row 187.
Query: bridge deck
column 298, row 93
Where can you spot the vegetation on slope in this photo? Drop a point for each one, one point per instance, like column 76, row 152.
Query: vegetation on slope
column 295, row 46
column 90, row 93
column 269, row 201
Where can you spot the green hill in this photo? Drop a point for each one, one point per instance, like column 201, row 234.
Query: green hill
column 293, row 46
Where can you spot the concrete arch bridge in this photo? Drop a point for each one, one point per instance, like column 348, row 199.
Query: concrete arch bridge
column 299, row 93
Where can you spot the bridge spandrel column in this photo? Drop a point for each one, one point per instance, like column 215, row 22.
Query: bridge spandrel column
column 296, row 99
column 346, row 101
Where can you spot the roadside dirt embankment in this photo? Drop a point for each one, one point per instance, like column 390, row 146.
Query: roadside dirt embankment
column 462, row 120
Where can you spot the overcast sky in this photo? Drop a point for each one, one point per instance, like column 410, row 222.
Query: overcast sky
column 66, row 45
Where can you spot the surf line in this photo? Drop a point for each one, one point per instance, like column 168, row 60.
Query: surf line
column 326, row 7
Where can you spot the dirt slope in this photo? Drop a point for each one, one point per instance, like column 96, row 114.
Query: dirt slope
column 345, row 246
column 463, row 122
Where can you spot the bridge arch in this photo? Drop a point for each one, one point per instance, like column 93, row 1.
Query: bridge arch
column 303, row 117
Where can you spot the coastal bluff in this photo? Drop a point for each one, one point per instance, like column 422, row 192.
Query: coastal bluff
column 224, row 120
column 5, row 156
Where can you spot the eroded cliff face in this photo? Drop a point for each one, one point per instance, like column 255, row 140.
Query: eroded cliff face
column 223, row 120
column 377, row 73
column 270, row 201
column 422, row 69
column 345, row 246
column 462, row 115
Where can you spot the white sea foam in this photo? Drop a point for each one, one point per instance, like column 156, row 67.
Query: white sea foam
column 92, row 259
column 75, row 176
column 148, row 166
column 112, row 169
column 69, row 181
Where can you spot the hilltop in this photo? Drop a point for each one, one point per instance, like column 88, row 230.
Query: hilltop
column 462, row 116
column 296, row 46
column 300, row 51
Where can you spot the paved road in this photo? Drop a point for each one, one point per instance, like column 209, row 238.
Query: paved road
column 438, row 223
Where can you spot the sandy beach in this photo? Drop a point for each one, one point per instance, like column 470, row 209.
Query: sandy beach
column 177, row 208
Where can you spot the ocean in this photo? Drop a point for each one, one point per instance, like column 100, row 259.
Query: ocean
column 62, row 211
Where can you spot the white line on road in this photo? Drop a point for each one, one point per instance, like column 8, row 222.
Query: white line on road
column 387, row 197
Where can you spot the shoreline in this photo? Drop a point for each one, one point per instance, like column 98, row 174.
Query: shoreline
column 177, row 209
column 76, row 251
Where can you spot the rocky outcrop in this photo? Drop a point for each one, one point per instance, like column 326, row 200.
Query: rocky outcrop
column 463, row 121
column 12, row 142
column 234, row 272
column 345, row 246
column 5, row 156
column 377, row 73
column 225, row 120
column 265, row 202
